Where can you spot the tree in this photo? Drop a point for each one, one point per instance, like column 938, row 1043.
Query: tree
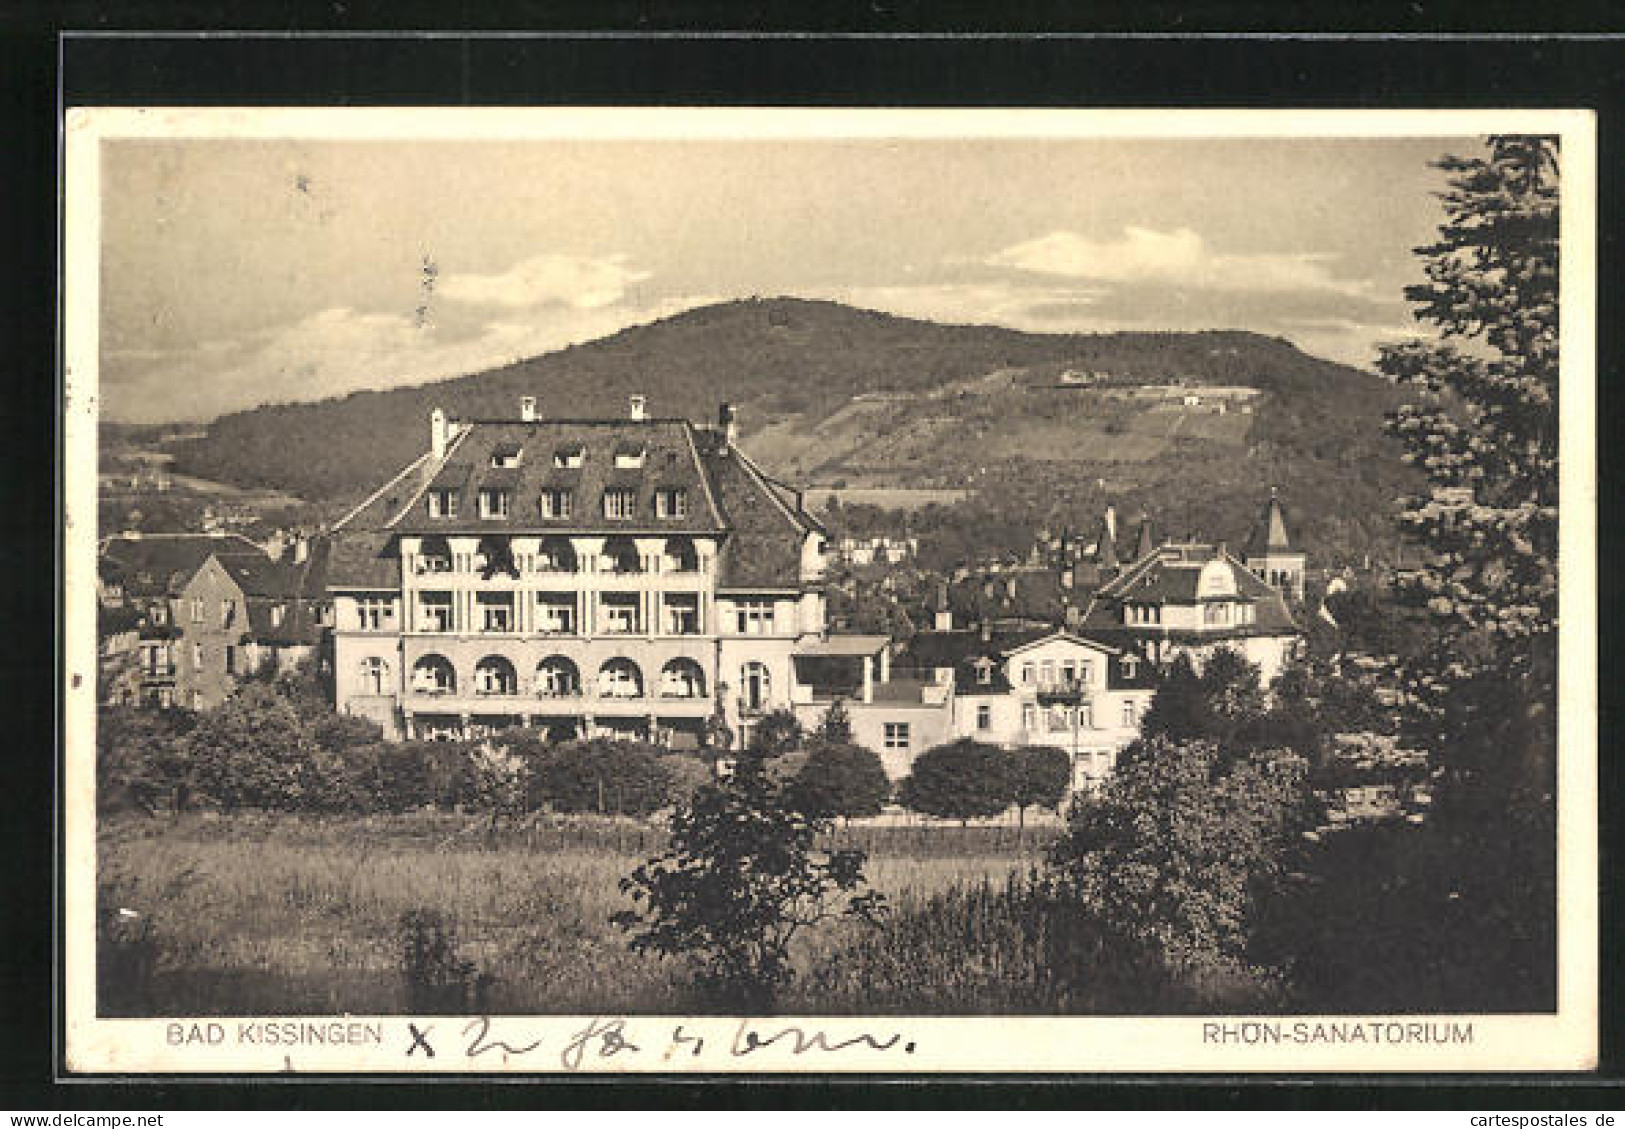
column 841, row 779
column 777, row 732
column 1039, row 774
column 963, row 780
column 835, row 727
column 739, row 881
column 1482, row 698
column 253, row 750
column 1170, row 856
column 1179, row 709
column 620, row 777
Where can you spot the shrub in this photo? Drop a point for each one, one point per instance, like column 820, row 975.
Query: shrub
column 776, row 733
column 841, row 780
column 962, row 780
column 438, row 980
column 254, row 750
column 739, row 881
column 620, row 777
column 688, row 775
column 140, row 757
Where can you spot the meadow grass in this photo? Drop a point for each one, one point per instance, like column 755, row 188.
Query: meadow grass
column 278, row 914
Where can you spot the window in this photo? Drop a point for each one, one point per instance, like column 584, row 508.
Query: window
column 434, row 611
column 496, row 611
column 494, row 502
column 1130, row 715
column 619, row 503
column 374, row 612
column 278, row 614
column 629, row 457
column 1059, row 719
column 433, row 675
column 1027, row 671
column 682, row 614
column 1069, row 672
column 682, row 678
column 231, row 659
column 434, row 555
column 620, row 678
column 570, row 457
column 753, row 617
column 197, row 656
column 555, row 613
column 506, row 455
column 555, row 503
column 1130, row 666
column 556, row 555
column 1086, row 716
column 896, row 735
column 619, row 613
column 442, row 502
column 755, row 686
column 374, row 676
column 228, row 611
column 197, row 609
column 620, row 555
column 557, row 677
column 984, row 716
column 671, row 502
column 1029, row 717
column 494, row 676
column 1085, row 671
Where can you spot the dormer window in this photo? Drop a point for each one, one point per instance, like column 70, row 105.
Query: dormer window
column 494, row 502
column 620, row 503
column 554, row 503
column 506, row 456
column 671, row 502
column 1131, row 665
column 630, row 456
column 984, row 671
column 278, row 614
column 570, row 457
column 442, row 503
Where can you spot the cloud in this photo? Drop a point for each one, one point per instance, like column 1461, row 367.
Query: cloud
column 1179, row 257
column 337, row 351
column 990, row 303
column 546, row 280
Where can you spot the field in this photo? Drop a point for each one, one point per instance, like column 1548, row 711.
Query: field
column 263, row 914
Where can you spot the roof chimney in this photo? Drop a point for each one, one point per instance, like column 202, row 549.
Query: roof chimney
column 640, row 405
column 727, row 421
column 527, row 408
column 437, row 433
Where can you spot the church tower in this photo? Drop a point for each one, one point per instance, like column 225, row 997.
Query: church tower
column 1270, row 555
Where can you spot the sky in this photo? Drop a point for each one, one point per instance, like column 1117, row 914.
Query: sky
column 236, row 273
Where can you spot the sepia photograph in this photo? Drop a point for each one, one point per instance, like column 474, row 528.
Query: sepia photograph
column 729, row 590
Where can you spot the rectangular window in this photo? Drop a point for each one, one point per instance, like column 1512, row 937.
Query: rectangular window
column 896, row 734
column 555, row 613
column 619, row 503
column 231, row 659
column 984, row 717
column 434, row 611
column 1027, row 674
column 375, row 612
column 1060, row 719
column 1129, row 718
column 555, row 503
column 619, row 613
column 442, row 503
column 671, row 502
column 197, row 656
column 1069, row 672
column 1085, row 671
column 682, row 615
column 570, row 457
column 506, row 456
column 753, row 617
column 494, row 502
column 228, row 612
column 1046, row 672
column 496, row 611
column 197, row 609
column 1029, row 717
column 629, row 458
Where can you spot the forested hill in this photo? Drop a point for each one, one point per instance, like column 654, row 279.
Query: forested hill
column 962, row 395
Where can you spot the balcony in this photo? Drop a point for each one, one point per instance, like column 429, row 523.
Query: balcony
column 160, row 672
column 1060, row 690
column 567, row 704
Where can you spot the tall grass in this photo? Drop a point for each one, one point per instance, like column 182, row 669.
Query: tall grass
column 285, row 914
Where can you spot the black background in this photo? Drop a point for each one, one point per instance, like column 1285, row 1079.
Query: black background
column 51, row 56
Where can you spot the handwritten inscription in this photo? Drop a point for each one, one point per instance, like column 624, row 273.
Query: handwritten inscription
column 606, row 1038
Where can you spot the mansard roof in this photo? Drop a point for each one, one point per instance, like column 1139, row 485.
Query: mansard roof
column 761, row 524
column 1171, row 575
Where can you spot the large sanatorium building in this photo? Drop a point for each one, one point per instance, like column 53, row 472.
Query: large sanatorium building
column 643, row 577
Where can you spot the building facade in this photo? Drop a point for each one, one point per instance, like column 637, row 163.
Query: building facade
column 638, row 577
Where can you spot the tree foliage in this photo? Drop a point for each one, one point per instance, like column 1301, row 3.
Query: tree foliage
column 962, row 780
column 841, row 779
column 607, row 777
column 1174, row 852
column 777, row 732
column 1039, row 776
column 1482, row 699
column 740, row 879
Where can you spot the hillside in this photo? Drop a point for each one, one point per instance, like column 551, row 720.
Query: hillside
column 835, row 396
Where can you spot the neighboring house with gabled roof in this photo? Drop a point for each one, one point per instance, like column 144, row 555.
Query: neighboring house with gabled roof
column 638, row 577
column 1192, row 599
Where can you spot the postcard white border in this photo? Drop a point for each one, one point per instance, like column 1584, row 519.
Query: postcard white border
column 1562, row 1042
